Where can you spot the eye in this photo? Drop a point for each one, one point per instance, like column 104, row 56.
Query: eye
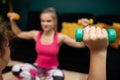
column 48, row 20
column 42, row 20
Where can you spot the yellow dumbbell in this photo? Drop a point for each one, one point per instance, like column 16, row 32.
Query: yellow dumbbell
column 90, row 21
column 16, row 15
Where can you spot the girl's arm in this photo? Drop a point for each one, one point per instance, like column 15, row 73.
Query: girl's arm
column 22, row 34
column 70, row 42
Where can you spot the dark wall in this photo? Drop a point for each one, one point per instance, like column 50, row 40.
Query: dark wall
column 95, row 7
column 3, row 9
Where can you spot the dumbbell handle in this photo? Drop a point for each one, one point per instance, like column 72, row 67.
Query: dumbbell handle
column 111, row 35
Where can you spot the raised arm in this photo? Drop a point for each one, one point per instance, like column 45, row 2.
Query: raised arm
column 14, row 26
column 97, row 41
column 19, row 33
column 72, row 42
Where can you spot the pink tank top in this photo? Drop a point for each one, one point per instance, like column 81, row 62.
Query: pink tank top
column 47, row 54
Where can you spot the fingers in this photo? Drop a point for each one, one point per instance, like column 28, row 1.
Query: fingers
column 95, row 33
column 92, row 33
column 105, row 34
column 98, row 32
column 89, row 33
column 86, row 33
column 12, row 16
column 84, row 22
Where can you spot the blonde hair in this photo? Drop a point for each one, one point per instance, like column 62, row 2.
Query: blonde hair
column 52, row 11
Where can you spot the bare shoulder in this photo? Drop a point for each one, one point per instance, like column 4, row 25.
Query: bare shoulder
column 61, row 37
column 34, row 33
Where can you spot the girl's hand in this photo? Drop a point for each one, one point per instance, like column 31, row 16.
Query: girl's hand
column 84, row 22
column 13, row 16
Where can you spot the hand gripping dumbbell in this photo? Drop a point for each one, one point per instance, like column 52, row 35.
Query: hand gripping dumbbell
column 90, row 21
column 111, row 35
column 16, row 15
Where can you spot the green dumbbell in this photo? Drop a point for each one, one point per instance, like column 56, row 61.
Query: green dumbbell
column 111, row 35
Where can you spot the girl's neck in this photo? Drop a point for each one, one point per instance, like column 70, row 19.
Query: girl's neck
column 47, row 33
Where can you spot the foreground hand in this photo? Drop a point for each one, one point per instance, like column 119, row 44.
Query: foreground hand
column 95, row 38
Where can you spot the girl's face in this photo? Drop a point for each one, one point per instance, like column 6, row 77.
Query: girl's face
column 47, row 22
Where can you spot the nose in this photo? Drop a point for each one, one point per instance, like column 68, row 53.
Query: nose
column 45, row 23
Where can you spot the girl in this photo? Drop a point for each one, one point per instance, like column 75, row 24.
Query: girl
column 48, row 42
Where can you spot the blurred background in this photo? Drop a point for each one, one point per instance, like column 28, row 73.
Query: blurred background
column 79, row 62
column 96, row 7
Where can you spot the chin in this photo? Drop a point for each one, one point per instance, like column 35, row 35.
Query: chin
column 46, row 30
